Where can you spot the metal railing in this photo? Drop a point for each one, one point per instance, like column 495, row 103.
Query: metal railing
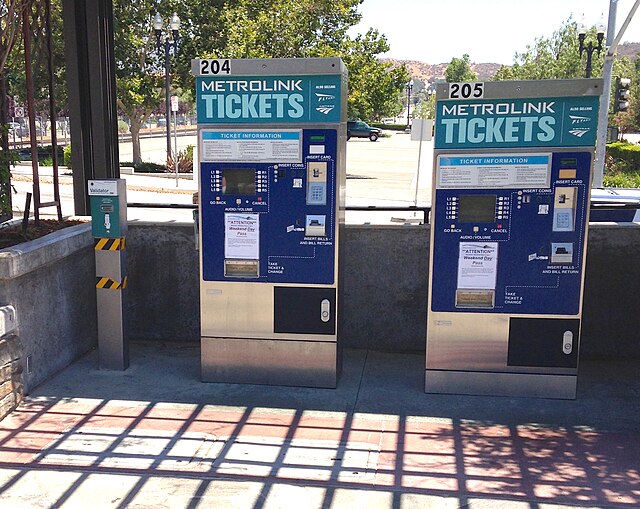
column 425, row 211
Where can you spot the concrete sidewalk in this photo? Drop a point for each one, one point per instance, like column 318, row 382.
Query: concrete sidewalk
column 154, row 436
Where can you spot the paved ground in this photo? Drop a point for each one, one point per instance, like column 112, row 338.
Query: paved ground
column 155, row 437
column 383, row 173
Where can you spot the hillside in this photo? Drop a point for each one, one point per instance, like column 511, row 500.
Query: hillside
column 435, row 72
column 629, row 49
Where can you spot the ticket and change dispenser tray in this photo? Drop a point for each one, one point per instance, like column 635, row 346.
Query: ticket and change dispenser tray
column 242, row 268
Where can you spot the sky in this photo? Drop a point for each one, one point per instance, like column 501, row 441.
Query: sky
column 435, row 31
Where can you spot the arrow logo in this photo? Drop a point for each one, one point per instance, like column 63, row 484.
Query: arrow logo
column 325, row 109
column 579, row 132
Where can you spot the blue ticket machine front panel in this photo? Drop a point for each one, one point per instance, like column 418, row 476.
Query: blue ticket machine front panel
column 511, row 189
column 515, row 249
column 271, row 153
column 274, row 221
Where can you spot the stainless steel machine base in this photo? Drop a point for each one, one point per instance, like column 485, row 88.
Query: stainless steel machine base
column 501, row 384
column 263, row 361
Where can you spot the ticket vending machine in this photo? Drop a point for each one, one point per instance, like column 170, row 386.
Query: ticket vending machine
column 510, row 210
column 272, row 138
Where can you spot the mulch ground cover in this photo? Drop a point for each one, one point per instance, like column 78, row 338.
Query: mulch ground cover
column 13, row 234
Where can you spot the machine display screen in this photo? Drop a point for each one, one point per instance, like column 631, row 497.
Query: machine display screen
column 477, row 208
column 239, row 181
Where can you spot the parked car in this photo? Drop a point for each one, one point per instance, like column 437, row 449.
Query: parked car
column 360, row 129
column 161, row 122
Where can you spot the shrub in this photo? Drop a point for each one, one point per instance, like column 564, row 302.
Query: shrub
column 184, row 159
column 45, row 154
column 48, row 150
column 627, row 180
column 622, row 157
column 390, row 127
column 67, row 156
column 147, row 167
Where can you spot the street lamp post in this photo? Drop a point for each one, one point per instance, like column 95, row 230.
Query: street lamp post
column 590, row 48
column 409, row 89
column 170, row 46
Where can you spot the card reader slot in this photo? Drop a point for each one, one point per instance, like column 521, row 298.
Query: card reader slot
column 316, row 183
column 564, row 209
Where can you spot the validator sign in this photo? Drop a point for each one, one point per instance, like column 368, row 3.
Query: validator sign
column 268, row 99
column 505, row 123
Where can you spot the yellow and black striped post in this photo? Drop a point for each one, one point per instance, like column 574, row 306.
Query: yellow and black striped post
column 109, row 226
column 109, row 244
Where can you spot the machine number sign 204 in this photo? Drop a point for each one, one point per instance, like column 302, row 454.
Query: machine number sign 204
column 214, row 66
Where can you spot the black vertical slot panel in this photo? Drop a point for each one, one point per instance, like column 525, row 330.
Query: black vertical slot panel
column 538, row 342
column 297, row 310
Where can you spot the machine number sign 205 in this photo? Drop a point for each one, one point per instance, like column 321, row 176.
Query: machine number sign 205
column 466, row 90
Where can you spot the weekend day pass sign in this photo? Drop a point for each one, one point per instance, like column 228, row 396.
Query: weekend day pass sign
column 226, row 99
column 504, row 123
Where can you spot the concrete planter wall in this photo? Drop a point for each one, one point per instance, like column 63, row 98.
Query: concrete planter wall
column 163, row 300
column 51, row 284
column 611, row 310
column 385, row 289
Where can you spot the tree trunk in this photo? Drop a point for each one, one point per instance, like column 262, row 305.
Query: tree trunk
column 134, row 128
column 4, row 114
column 6, row 211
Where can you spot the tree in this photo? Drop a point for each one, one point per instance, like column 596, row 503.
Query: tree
column 202, row 35
column 558, row 57
column 287, row 28
column 15, row 64
column 375, row 87
column 555, row 57
column 10, row 26
column 628, row 121
column 139, row 72
column 426, row 108
column 314, row 28
column 459, row 69
column 218, row 29
column 317, row 28
column 261, row 29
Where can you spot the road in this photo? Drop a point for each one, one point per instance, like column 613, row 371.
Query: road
column 382, row 173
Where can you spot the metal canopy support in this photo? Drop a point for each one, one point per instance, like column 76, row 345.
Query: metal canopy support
column 607, row 73
column 88, row 34
column 52, row 112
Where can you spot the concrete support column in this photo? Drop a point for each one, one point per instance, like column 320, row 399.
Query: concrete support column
column 111, row 286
